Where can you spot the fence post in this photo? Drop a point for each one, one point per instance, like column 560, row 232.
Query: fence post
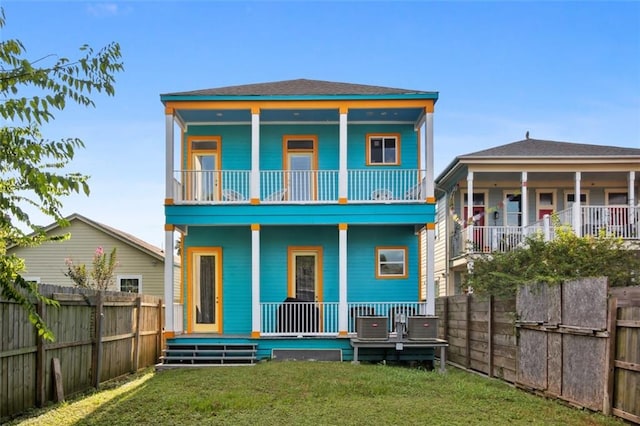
column 610, row 356
column 468, row 331
column 445, row 314
column 136, row 336
column 160, row 334
column 41, row 392
column 490, row 334
column 96, row 361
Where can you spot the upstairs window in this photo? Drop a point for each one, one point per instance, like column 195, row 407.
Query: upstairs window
column 383, row 149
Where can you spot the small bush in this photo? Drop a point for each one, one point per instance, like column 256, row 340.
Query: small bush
column 565, row 257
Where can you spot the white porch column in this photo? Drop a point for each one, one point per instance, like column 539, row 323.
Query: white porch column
column 469, row 219
column 168, row 156
column 254, row 186
column 429, row 158
column 632, row 188
column 255, row 281
column 343, row 309
column 343, row 191
column 577, row 218
column 168, row 280
column 525, row 201
column 431, row 227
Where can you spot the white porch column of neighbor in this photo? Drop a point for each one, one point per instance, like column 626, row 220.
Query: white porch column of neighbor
column 168, row 238
column 343, row 311
column 342, row 173
column 576, row 213
column 469, row 219
column 255, row 280
column 525, row 202
column 254, row 186
column 632, row 197
column 431, row 228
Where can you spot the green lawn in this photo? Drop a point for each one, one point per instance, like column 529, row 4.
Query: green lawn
column 312, row 393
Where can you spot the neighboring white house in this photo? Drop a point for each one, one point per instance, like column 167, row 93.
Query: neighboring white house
column 140, row 265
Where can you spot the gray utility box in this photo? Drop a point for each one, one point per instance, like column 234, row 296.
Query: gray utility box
column 373, row 327
column 422, row 327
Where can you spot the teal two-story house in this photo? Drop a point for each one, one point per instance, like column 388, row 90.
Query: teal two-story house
column 298, row 205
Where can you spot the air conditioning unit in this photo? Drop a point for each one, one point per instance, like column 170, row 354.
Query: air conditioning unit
column 373, row 328
column 422, row 327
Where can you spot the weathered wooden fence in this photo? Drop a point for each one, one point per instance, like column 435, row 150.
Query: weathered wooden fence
column 480, row 332
column 578, row 342
column 99, row 336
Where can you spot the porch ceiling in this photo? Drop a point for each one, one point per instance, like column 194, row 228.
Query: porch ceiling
column 298, row 115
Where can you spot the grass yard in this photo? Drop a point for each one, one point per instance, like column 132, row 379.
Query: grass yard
column 312, row 393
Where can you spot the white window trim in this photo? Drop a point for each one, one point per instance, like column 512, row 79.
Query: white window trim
column 607, row 192
column 31, row 279
column 130, row 277
column 554, row 201
column 503, row 211
column 572, row 192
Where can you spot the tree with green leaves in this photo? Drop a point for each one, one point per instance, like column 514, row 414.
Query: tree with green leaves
column 563, row 258
column 32, row 174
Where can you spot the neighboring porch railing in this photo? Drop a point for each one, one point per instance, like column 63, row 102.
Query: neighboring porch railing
column 618, row 221
column 321, row 318
column 293, row 186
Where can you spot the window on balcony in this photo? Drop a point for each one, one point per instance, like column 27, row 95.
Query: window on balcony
column 383, row 149
column 391, row 262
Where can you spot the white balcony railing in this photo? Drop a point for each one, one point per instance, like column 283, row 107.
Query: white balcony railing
column 304, row 186
column 178, row 311
column 618, row 221
column 321, row 318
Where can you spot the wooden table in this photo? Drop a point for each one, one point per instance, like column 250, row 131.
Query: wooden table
column 400, row 345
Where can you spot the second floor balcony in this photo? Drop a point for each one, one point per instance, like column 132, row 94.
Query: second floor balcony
column 298, row 186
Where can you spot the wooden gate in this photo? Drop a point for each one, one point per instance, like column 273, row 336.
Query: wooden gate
column 622, row 394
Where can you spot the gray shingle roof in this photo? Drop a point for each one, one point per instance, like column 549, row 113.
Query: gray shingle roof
column 299, row 87
column 544, row 148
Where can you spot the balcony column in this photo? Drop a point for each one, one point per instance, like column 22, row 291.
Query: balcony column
column 169, row 141
column 342, row 173
column 577, row 210
column 254, row 179
column 431, row 227
column 469, row 219
column 255, row 280
column 525, row 202
column 168, row 281
column 632, row 188
column 343, row 310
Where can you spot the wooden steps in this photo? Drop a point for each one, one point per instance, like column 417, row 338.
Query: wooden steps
column 178, row 354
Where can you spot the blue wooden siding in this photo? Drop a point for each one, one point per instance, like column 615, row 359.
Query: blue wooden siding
column 235, row 142
column 236, row 271
column 357, row 137
column 363, row 285
column 274, row 244
column 271, row 147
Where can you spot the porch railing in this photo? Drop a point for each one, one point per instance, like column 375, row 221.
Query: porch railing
column 293, row 186
column 321, row 318
column 618, row 221
column 178, row 326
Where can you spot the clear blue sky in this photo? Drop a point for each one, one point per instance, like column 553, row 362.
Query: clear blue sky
column 567, row 71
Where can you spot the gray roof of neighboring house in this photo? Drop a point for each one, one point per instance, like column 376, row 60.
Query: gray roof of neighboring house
column 299, row 87
column 118, row 234
column 537, row 149
column 544, row 148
